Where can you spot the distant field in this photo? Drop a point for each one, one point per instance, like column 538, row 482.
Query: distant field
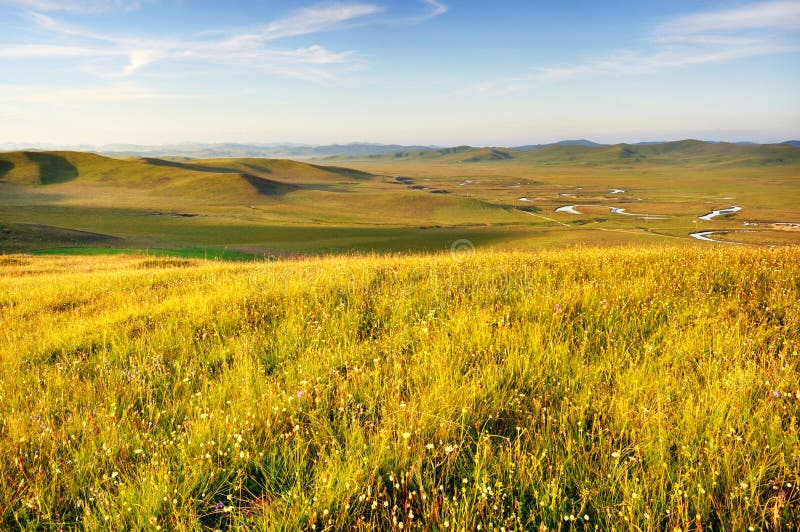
column 628, row 389
column 406, row 201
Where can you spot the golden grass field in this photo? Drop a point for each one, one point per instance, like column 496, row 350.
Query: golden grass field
column 652, row 388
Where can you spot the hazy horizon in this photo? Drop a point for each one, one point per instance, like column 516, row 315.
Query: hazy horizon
column 428, row 72
column 17, row 145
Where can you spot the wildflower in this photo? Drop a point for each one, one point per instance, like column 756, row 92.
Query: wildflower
column 558, row 309
column 429, row 446
column 300, row 393
column 220, row 505
column 406, row 435
column 449, row 449
column 615, row 454
column 776, row 394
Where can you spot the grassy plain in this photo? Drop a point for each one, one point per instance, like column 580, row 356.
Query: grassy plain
column 630, row 388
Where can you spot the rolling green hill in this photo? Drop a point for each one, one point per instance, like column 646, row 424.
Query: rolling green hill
column 675, row 153
column 254, row 204
column 226, row 179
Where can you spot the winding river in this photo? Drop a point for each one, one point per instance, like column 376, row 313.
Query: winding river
column 713, row 214
column 572, row 209
column 704, row 236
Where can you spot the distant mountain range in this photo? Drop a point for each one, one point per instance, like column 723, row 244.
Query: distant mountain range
column 299, row 151
column 227, row 150
column 580, row 142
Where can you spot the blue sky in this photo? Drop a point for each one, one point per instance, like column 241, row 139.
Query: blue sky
column 443, row 72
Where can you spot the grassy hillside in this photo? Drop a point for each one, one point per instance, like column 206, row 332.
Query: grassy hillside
column 631, row 389
column 676, row 153
column 409, row 201
column 255, row 204
column 220, row 180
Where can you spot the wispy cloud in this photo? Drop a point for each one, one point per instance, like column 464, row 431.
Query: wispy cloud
column 76, row 6
column 249, row 48
column 315, row 19
column 435, row 9
column 764, row 15
column 695, row 39
column 115, row 60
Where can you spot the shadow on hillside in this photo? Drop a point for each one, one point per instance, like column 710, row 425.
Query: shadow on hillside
column 267, row 187
column 26, row 237
column 262, row 185
column 5, row 167
column 348, row 172
column 188, row 166
column 53, row 169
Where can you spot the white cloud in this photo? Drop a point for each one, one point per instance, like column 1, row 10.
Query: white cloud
column 701, row 38
column 437, row 8
column 316, row 19
column 763, row 15
column 140, row 58
column 112, row 56
column 76, row 6
column 247, row 49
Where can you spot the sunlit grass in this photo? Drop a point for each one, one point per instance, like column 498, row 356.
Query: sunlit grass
column 630, row 388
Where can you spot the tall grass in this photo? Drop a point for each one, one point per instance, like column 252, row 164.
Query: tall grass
column 588, row 389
